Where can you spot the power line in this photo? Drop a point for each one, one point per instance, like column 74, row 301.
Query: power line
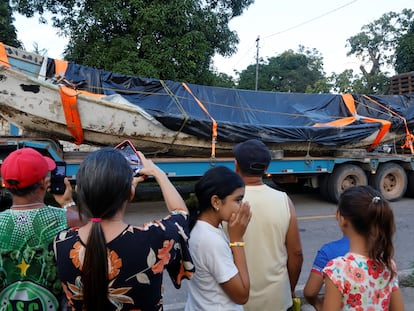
column 311, row 20
column 291, row 28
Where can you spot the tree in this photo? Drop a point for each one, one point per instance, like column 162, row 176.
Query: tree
column 8, row 34
column 166, row 39
column 375, row 47
column 404, row 55
column 290, row 71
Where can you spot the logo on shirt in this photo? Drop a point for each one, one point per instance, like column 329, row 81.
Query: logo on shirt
column 27, row 296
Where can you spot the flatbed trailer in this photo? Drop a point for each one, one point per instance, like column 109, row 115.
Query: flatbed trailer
column 391, row 174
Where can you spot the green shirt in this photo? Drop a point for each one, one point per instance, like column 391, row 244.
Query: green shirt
column 28, row 278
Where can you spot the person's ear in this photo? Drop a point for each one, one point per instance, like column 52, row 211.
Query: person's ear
column 236, row 166
column 215, row 202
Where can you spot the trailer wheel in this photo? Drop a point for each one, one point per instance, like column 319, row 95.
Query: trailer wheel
column 390, row 180
column 344, row 177
column 410, row 184
column 323, row 186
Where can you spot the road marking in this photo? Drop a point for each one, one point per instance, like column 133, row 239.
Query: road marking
column 316, row 217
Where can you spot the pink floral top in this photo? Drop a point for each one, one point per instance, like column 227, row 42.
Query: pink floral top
column 363, row 284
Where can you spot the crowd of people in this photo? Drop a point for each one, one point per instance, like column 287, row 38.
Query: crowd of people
column 237, row 242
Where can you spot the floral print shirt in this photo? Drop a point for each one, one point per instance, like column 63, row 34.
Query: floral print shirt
column 364, row 285
column 136, row 261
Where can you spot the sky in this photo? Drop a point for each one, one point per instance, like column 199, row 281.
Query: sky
column 280, row 25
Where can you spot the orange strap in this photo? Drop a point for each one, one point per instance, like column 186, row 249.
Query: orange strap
column 409, row 138
column 214, row 127
column 4, row 60
column 384, row 129
column 350, row 104
column 70, row 108
column 60, row 67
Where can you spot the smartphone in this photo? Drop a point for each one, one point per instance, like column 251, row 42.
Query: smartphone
column 131, row 154
column 57, row 177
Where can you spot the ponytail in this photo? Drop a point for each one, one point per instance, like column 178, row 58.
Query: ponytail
column 372, row 217
column 95, row 271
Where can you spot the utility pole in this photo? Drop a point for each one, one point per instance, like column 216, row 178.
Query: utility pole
column 257, row 61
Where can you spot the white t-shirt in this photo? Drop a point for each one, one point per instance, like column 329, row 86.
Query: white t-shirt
column 214, row 265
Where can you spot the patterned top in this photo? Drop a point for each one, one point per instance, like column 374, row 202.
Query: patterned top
column 28, row 277
column 363, row 284
column 136, row 261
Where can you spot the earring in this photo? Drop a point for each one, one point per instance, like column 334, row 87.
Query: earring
column 216, row 209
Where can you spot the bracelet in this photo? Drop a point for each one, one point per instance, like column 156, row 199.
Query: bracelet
column 236, row 244
column 67, row 205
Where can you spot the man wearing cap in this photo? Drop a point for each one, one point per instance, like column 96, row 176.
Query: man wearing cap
column 28, row 279
column 272, row 241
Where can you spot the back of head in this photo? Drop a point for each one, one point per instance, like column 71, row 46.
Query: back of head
column 220, row 181
column 253, row 157
column 23, row 169
column 103, row 182
column 371, row 216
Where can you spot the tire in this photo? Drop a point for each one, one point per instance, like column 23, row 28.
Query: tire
column 343, row 177
column 410, row 184
column 390, row 180
column 323, row 186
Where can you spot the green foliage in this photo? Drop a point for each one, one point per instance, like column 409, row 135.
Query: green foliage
column 404, row 55
column 8, row 33
column 165, row 39
column 375, row 46
column 290, row 71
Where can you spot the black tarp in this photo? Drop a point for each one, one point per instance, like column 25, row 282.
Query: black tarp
column 243, row 114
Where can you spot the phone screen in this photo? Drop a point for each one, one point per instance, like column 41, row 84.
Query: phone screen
column 131, row 155
column 57, row 177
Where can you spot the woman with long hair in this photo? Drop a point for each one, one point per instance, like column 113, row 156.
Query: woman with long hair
column 366, row 277
column 109, row 264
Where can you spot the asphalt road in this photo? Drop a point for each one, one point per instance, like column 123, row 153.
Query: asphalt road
column 317, row 226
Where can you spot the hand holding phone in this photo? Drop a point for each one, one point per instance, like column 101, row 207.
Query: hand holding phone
column 131, row 154
column 57, row 178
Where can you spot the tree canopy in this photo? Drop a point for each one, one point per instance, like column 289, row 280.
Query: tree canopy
column 404, row 55
column 375, row 46
column 8, row 33
column 165, row 39
column 290, row 71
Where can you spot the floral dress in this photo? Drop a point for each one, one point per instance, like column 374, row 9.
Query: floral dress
column 136, row 261
column 364, row 285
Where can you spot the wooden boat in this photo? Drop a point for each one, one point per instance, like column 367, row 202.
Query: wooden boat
column 91, row 106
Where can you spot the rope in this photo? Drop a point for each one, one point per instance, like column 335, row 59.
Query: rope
column 214, row 126
column 180, row 107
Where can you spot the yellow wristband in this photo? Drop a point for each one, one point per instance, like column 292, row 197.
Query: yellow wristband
column 236, row 244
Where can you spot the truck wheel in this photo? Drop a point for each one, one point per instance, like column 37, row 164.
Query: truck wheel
column 343, row 177
column 323, row 186
column 410, row 184
column 390, row 180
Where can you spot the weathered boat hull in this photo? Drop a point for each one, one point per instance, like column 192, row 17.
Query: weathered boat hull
column 149, row 117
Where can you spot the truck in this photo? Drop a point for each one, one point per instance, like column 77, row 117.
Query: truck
column 390, row 173
column 324, row 141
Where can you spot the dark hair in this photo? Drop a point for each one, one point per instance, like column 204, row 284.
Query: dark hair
column 23, row 191
column 6, row 199
column 220, row 181
column 372, row 217
column 104, row 182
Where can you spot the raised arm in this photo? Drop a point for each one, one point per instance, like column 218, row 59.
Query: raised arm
column 65, row 200
column 172, row 197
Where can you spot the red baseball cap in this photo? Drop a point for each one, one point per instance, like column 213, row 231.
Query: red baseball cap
column 26, row 166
